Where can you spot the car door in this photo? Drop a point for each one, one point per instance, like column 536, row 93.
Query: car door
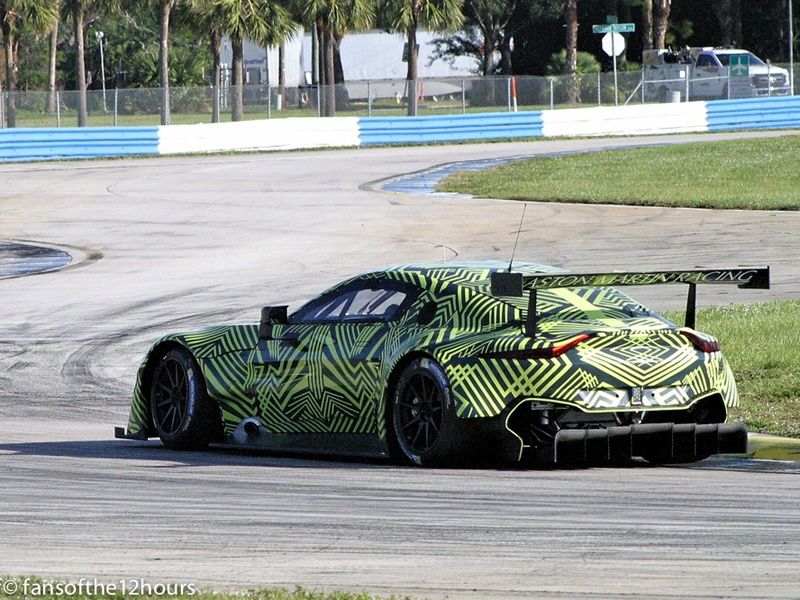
column 706, row 81
column 344, row 337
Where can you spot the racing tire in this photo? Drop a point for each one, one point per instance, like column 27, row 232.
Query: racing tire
column 183, row 415
column 424, row 428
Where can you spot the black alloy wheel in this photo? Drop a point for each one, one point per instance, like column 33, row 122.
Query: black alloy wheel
column 422, row 420
column 183, row 415
column 170, row 396
column 420, row 413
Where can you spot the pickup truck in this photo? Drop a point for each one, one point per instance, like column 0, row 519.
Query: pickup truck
column 665, row 71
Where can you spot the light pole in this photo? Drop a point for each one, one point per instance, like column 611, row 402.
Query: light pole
column 791, row 47
column 99, row 35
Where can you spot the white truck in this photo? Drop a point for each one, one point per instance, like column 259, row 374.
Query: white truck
column 709, row 75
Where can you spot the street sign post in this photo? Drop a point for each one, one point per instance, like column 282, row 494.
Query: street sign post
column 739, row 76
column 614, row 27
column 614, row 44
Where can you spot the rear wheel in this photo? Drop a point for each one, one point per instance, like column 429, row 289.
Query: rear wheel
column 423, row 419
column 184, row 416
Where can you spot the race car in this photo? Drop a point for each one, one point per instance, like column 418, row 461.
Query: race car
column 455, row 363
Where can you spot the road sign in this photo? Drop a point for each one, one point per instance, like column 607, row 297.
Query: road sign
column 618, row 27
column 613, row 44
column 740, row 65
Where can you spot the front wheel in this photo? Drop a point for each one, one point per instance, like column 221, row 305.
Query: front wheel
column 184, row 416
column 424, row 424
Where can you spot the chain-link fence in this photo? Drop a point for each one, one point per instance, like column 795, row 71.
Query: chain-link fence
column 140, row 106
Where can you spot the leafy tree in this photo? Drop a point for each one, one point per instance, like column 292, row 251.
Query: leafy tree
column 41, row 15
column 407, row 16
column 492, row 19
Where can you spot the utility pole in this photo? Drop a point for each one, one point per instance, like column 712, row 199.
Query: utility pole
column 99, row 35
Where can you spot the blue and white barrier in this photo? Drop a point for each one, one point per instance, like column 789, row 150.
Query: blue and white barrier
column 449, row 128
column 300, row 133
column 761, row 113
column 273, row 134
column 77, row 142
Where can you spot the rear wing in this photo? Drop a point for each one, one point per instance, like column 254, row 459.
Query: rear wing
column 515, row 284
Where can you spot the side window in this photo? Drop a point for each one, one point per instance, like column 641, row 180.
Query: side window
column 374, row 303
column 703, row 60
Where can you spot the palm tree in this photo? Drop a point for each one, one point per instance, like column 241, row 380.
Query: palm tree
column 163, row 58
column 334, row 18
column 647, row 24
column 571, row 17
column 205, row 15
column 407, row 16
column 263, row 21
column 77, row 9
column 40, row 15
column 661, row 14
column 51, row 72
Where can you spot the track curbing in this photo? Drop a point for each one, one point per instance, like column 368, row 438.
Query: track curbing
column 771, row 447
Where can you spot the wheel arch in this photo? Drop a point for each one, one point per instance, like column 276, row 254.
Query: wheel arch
column 385, row 414
column 145, row 381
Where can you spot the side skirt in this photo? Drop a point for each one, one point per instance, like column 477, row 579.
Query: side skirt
column 362, row 445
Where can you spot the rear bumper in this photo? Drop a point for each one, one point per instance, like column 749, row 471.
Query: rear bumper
column 659, row 443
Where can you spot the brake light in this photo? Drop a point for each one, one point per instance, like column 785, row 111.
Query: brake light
column 703, row 345
column 538, row 353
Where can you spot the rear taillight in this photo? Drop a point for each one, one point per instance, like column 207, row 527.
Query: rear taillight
column 702, row 344
column 538, row 353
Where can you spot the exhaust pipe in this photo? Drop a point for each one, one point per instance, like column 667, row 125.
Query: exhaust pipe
column 252, row 428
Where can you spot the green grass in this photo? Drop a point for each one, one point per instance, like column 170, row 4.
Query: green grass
column 749, row 174
column 36, row 588
column 762, row 345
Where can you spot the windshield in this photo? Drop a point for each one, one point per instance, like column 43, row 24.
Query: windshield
column 725, row 59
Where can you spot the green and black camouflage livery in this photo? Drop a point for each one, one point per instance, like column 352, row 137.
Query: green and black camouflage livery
column 597, row 355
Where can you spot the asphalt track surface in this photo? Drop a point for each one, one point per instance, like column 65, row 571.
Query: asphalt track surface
column 198, row 240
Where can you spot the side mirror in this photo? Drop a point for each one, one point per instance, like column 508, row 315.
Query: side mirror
column 272, row 315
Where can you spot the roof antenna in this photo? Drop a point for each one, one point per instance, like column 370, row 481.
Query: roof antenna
column 516, row 241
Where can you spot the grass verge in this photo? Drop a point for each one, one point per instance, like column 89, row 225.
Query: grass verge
column 762, row 345
column 757, row 174
column 24, row 588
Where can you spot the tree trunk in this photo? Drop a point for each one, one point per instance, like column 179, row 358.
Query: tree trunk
column 237, row 101
column 571, row 17
column 725, row 22
column 216, row 49
column 506, row 66
column 330, row 77
column 51, row 78
column 282, row 74
column 736, row 18
column 11, row 72
column 411, row 76
column 80, row 62
column 163, row 59
column 647, row 25
column 661, row 14
column 488, row 51
column 314, row 55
